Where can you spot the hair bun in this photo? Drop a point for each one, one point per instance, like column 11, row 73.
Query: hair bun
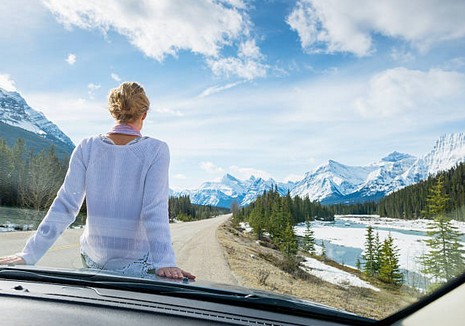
column 128, row 102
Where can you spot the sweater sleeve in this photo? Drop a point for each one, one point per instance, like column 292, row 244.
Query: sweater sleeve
column 62, row 212
column 155, row 211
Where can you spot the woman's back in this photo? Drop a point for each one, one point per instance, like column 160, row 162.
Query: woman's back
column 120, row 198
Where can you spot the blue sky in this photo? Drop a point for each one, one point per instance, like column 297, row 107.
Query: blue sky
column 270, row 88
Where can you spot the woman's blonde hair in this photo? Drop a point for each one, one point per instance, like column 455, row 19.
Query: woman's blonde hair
column 128, row 102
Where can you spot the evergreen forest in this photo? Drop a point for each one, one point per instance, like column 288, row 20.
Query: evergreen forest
column 181, row 209
column 273, row 216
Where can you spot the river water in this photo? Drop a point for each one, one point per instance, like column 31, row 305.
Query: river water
column 344, row 242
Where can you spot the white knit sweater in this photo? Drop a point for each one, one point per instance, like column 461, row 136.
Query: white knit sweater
column 126, row 191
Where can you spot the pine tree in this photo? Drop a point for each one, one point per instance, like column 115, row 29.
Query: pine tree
column 389, row 262
column 436, row 201
column 371, row 253
column 309, row 238
column 257, row 218
column 288, row 243
column 444, row 260
column 377, row 248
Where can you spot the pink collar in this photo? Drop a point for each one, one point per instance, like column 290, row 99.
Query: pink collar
column 125, row 129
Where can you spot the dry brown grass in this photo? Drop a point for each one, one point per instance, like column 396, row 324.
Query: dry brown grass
column 256, row 266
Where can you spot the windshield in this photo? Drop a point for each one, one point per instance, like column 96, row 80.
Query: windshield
column 307, row 148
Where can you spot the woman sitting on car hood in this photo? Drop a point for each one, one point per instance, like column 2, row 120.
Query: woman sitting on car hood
column 124, row 178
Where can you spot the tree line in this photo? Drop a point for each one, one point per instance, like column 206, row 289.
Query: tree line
column 411, row 202
column 181, row 209
column 272, row 217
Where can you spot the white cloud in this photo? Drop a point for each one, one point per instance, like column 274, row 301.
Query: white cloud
column 401, row 90
column 116, row 77
column 400, row 55
column 216, row 89
column 250, row 50
column 71, row 59
column 166, row 27
column 348, row 25
column 293, row 177
column 211, row 168
column 180, row 176
column 248, row 65
column 159, row 28
column 454, row 64
column 168, row 111
column 236, row 3
column 240, row 67
column 92, row 88
column 7, row 83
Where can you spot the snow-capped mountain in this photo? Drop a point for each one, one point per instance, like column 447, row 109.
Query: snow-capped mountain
column 331, row 180
column 334, row 182
column 346, row 184
column 221, row 193
column 387, row 175
column 230, row 189
column 14, row 111
column 448, row 151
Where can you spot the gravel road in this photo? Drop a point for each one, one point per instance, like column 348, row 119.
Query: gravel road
column 195, row 244
column 199, row 252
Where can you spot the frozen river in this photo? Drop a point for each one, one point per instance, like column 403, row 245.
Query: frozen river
column 344, row 240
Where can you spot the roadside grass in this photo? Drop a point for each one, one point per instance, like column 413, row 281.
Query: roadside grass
column 262, row 267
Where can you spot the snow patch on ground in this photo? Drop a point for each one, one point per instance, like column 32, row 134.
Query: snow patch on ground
column 334, row 275
column 246, row 227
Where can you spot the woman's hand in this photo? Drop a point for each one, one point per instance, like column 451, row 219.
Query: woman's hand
column 12, row 260
column 174, row 272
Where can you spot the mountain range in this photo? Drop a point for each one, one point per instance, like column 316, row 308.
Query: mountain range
column 331, row 182
column 334, row 182
column 19, row 120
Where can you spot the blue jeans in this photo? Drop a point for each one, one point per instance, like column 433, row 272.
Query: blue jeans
column 139, row 268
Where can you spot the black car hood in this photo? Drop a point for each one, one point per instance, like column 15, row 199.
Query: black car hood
column 101, row 277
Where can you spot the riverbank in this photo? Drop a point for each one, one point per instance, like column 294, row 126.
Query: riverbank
column 259, row 267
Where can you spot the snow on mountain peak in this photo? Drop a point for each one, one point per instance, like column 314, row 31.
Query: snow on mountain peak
column 396, row 156
column 229, row 178
column 15, row 112
column 448, row 151
column 230, row 189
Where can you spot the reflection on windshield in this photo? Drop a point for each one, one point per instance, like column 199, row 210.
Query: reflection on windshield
column 307, row 148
